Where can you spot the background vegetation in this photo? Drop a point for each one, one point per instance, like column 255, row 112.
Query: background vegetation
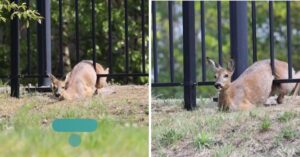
column 262, row 26
column 85, row 40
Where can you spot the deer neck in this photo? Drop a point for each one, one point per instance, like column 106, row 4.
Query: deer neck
column 65, row 95
column 224, row 96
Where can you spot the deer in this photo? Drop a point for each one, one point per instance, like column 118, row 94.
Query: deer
column 253, row 87
column 297, row 86
column 80, row 82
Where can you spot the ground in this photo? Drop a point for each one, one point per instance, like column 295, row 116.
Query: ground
column 121, row 112
column 263, row 131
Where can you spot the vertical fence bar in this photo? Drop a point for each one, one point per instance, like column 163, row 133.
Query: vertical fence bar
column 203, row 50
column 219, row 7
column 44, row 42
column 126, row 37
column 93, row 34
column 143, row 36
column 154, row 41
column 253, row 10
column 171, row 50
column 289, row 42
column 28, row 44
column 271, row 20
column 189, row 58
column 109, row 60
column 239, row 35
column 40, row 43
column 15, row 58
column 61, row 62
column 77, row 31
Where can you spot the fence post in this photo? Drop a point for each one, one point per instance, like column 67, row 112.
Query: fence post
column 239, row 35
column 15, row 83
column 44, row 43
column 189, row 57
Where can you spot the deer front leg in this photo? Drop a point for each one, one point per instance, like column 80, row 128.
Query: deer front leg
column 246, row 105
column 280, row 97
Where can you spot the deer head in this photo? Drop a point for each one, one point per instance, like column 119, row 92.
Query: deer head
column 222, row 75
column 58, row 86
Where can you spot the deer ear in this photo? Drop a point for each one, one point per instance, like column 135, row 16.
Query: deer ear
column 107, row 70
column 230, row 65
column 213, row 63
column 53, row 78
column 67, row 76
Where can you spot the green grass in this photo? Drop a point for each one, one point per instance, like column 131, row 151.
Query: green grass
column 27, row 130
column 288, row 133
column 224, row 151
column 286, row 116
column 203, row 140
column 170, row 137
column 265, row 124
column 109, row 137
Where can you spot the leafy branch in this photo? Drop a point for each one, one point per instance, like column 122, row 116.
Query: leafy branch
column 18, row 10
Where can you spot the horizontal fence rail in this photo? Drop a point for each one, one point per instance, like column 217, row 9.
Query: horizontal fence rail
column 239, row 43
column 44, row 44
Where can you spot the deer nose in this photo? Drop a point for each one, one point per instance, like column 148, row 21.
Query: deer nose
column 218, row 85
column 57, row 94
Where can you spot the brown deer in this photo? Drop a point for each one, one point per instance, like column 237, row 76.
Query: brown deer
column 297, row 87
column 80, row 82
column 252, row 87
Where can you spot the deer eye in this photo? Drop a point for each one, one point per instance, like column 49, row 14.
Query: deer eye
column 215, row 76
column 226, row 75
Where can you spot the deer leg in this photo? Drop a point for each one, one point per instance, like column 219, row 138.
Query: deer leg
column 296, row 90
column 283, row 90
column 96, row 92
column 245, row 105
column 281, row 96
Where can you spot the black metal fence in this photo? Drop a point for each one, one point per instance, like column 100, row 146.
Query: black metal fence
column 44, row 45
column 238, row 42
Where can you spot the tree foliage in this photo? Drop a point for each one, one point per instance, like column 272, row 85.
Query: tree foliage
column 21, row 11
column 85, row 37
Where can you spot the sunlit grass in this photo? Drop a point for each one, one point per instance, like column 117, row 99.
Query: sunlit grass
column 27, row 131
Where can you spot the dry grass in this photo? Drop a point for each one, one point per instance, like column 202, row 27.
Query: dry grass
column 263, row 131
column 129, row 102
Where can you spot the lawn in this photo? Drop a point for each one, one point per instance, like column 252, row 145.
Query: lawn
column 121, row 113
column 263, row 131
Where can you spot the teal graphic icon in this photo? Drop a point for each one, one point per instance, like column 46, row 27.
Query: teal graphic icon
column 74, row 125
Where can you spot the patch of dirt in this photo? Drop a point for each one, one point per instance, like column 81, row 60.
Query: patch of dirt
column 129, row 99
